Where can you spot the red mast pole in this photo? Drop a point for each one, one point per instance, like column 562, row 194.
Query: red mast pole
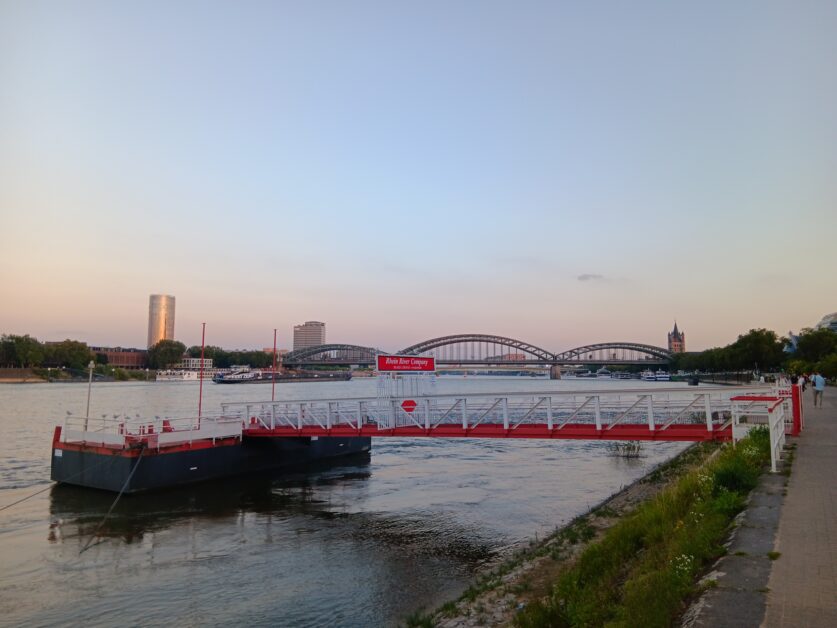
column 273, row 385
column 200, row 392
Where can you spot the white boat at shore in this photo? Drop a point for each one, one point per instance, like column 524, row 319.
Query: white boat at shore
column 648, row 376
column 662, row 376
column 184, row 375
column 581, row 373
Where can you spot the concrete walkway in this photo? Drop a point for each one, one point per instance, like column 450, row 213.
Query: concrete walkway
column 803, row 580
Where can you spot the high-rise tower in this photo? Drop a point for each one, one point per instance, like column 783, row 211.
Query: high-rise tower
column 309, row 334
column 160, row 318
column 676, row 340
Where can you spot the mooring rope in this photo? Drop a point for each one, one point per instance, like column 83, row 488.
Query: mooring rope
column 113, row 505
column 23, row 499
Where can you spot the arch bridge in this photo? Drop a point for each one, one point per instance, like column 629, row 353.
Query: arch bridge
column 331, row 355
column 486, row 349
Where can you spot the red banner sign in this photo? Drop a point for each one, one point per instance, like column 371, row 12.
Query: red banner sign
column 405, row 364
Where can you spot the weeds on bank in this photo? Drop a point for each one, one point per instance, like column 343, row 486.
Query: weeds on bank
column 419, row 620
column 645, row 566
column 578, row 530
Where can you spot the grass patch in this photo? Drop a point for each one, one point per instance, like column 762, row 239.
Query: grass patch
column 605, row 511
column 644, row 568
column 419, row 620
column 773, row 555
column 448, row 609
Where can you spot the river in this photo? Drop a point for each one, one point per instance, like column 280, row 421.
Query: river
column 361, row 543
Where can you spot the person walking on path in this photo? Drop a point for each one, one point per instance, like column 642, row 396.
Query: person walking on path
column 819, row 386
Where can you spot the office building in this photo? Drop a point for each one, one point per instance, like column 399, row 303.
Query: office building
column 118, row 357
column 309, row 334
column 160, row 318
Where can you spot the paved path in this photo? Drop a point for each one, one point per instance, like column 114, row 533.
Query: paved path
column 803, row 580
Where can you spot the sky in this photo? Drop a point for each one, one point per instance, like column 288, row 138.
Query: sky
column 562, row 173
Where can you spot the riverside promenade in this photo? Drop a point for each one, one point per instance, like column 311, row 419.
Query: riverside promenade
column 802, row 589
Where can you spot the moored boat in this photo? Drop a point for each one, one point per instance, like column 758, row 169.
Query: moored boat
column 134, row 455
column 583, row 373
column 184, row 375
column 248, row 376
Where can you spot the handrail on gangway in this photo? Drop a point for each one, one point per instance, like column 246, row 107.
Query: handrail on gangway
column 646, row 413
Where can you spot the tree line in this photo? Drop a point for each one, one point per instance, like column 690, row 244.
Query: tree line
column 222, row 358
column 27, row 352
column 757, row 350
column 763, row 350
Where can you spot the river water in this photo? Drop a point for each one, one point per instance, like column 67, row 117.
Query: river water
column 361, row 543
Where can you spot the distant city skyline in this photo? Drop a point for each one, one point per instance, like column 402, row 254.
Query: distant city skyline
column 305, row 338
column 563, row 173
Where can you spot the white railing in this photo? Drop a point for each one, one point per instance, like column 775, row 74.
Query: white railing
column 657, row 408
column 751, row 411
column 123, row 431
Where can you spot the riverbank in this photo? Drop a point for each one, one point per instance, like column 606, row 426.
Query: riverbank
column 19, row 376
column 633, row 557
column 515, row 581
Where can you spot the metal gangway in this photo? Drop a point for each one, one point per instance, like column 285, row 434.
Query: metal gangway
column 646, row 413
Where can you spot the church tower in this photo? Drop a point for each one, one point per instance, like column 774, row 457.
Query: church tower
column 676, row 340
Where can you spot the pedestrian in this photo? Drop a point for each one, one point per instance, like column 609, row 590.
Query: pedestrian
column 803, row 382
column 819, row 386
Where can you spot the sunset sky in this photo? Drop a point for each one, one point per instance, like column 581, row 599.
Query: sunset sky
column 562, row 173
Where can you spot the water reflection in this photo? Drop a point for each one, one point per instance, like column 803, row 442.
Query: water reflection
column 78, row 511
column 360, row 542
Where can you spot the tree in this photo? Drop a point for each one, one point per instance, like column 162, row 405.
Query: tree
column 23, row 351
column 70, row 353
column 219, row 357
column 814, row 345
column 758, row 349
column 165, row 353
column 7, row 351
column 828, row 366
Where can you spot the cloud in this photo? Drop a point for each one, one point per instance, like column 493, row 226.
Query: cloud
column 591, row 277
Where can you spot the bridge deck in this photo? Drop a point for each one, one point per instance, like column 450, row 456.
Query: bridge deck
column 575, row 431
column 648, row 413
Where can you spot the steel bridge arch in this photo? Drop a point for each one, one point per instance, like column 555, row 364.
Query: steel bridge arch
column 435, row 343
column 323, row 351
column 579, row 352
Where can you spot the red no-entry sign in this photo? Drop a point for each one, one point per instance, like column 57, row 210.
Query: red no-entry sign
column 408, row 405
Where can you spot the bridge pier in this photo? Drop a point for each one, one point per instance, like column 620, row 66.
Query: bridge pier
column 554, row 372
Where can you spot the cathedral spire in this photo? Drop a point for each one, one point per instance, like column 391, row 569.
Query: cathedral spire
column 676, row 340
